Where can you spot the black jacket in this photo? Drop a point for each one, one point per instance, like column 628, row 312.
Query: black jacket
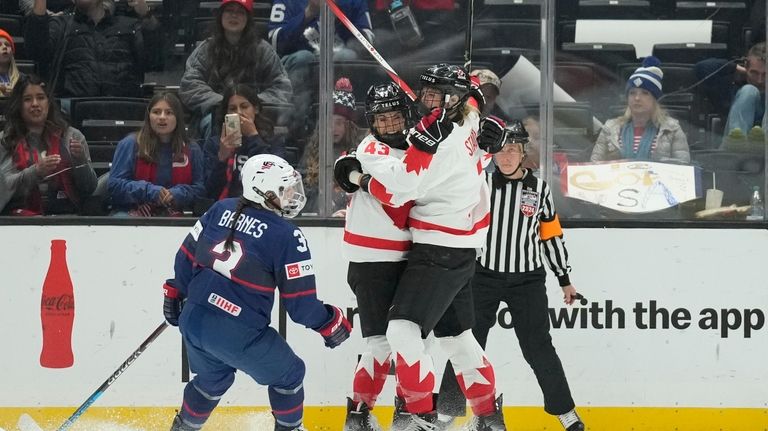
column 98, row 60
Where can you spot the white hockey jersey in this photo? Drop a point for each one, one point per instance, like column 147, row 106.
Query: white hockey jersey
column 451, row 198
column 374, row 232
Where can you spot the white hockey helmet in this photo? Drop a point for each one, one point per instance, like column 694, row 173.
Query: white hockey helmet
column 273, row 183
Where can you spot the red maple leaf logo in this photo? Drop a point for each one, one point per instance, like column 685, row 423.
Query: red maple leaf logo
column 416, row 160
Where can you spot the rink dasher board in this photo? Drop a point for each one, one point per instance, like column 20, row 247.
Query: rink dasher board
column 709, row 275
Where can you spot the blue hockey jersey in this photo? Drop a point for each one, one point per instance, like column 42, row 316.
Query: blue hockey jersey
column 286, row 23
column 269, row 252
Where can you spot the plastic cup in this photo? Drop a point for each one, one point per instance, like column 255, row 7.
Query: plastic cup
column 714, row 199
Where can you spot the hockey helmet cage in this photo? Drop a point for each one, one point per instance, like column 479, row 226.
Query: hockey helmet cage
column 384, row 98
column 273, row 183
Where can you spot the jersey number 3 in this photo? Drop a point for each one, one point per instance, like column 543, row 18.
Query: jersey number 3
column 226, row 260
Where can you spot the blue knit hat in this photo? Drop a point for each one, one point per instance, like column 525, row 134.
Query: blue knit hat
column 648, row 77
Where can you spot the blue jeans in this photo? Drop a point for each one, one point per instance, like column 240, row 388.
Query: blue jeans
column 747, row 109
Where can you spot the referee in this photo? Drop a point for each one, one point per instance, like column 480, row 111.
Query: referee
column 524, row 231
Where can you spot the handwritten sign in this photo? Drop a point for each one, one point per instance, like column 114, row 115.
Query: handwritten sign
column 632, row 186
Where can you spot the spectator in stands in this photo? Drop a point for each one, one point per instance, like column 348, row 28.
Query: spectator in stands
column 9, row 73
column 346, row 137
column 490, row 85
column 533, row 147
column 738, row 90
column 645, row 131
column 156, row 172
column 45, row 164
column 436, row 20
column 234, row 54
column 92, row 52
column 294, row 33
column 225, row 154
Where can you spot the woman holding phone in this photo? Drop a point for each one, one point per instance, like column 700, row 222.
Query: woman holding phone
column 244, row 133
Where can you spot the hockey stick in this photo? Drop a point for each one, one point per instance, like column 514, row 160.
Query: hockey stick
column 468, row 35
column 107, row 383
column 359, row 36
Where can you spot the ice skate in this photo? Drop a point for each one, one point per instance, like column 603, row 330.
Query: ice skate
column 279, row 427
column 179, row 425
column 494, row 422
column 360, row 418
column 404, row 421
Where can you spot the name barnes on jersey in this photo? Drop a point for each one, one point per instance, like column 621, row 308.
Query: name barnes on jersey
column 245, row 224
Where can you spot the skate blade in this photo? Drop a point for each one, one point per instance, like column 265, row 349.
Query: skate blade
column 26, row 423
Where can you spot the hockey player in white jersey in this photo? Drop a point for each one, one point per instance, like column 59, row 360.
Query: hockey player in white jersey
column 442, row 173
column 376, row 241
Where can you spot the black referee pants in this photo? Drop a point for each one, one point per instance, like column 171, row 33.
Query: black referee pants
column 526, row 296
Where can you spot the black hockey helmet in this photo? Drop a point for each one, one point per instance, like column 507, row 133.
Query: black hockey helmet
column 451, row 80
column 516, row 133
column 384, row 98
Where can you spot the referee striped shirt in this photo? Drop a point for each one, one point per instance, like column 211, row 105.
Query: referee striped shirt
column 524, row 226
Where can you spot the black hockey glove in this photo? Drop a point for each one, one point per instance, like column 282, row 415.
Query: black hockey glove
column 336, row 329
column 172, row 304
column 430, row 131
column 492, row 134
column 343, row 166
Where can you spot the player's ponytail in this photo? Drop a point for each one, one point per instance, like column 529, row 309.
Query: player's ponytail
column 241, row 204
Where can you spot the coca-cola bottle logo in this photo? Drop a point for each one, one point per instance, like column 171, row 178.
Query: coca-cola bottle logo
column 58, row 303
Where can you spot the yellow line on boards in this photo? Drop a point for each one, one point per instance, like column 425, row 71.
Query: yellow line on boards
column 332, row 418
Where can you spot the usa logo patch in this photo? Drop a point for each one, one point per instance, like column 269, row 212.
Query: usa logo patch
column 529, row 202
column 299, row 269
column 224, row 304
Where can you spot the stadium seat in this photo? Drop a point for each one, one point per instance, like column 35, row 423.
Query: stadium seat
column 605, row 54
column 501, row 59
column 689, row 53
column 12, row 24
column 734, row 12
column 524, row 34
column 614, row 9
column 573, row 124
column 117, row 110
column 108, row 130
column 504, row 9
column 26, row 67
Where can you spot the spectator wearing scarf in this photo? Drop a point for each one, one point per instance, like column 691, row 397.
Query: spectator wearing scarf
column 645, row 131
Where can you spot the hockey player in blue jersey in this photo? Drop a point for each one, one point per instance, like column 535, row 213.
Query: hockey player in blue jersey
column 227, row 270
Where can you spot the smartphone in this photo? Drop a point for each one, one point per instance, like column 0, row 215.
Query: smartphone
column 232, row 125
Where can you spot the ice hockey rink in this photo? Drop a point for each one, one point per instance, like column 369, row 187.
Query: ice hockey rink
column 679, row 344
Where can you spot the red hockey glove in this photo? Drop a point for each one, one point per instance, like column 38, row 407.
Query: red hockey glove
column 172, row 304
column 430, row 131
column 492, row 134
column 476, row 93
column 337, row 329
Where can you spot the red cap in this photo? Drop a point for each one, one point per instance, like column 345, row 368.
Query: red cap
column 247, row 4
column 4, row 34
